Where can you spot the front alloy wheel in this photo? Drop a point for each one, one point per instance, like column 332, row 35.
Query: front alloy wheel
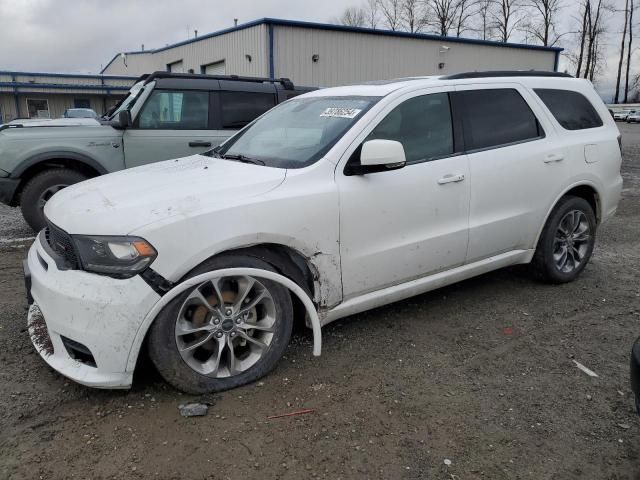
column 225, row 326
column 222, row 333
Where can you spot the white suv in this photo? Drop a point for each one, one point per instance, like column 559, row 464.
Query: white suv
column 331, row 203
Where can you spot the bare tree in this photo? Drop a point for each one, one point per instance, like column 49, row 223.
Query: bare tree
column 622, row 45
column 626, row 84
column 485, row 14
column 543, row 26
column 594, row 29
column 353, row 17
column 586, row 12
column 507, row 17
column 465, row 10
column 371, row 9
column 443, row 15
column 412, row 15
column 391, row 13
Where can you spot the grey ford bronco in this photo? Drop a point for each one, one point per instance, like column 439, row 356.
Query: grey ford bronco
column 166, row 115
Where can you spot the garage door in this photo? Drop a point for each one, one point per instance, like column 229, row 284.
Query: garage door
column 216, row 68
column 175, row 67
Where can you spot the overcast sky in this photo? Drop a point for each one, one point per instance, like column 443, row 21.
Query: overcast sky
column 83, row 35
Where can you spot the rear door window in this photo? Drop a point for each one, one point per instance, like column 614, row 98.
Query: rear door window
column 571, row 109
column 496, row 117
column 241, row 108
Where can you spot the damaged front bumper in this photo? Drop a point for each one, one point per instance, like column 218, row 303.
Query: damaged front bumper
column 82, row 324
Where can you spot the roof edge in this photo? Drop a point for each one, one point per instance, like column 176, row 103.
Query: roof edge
column 68, row 75
column 340, row 28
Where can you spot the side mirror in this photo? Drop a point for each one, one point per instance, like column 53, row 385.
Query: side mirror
column 378, row 156
column 122, row 121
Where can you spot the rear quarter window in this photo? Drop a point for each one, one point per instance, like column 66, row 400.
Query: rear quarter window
column 571, row 109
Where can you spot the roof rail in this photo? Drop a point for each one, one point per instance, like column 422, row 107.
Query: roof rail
column 13, row 125
column 286, row 83
column 505, row 73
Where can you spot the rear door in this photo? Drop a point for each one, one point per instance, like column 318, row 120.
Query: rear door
column 171, row 124
column 516, row 164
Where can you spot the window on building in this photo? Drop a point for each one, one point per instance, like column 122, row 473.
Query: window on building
column 241, row 108
column 572, row 110
column 170, row 110
column 495, row 117
column 423, row 126
column 38, row 108
column 215, row 68
column 81, row 103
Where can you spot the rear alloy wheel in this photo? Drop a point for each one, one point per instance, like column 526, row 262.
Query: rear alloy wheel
column 224, row 332
column 566, row 242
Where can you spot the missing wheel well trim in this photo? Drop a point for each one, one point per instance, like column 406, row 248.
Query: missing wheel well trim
column 590, row 195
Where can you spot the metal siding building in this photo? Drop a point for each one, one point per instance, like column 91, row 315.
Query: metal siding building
column 317, row 54
column 21, row 90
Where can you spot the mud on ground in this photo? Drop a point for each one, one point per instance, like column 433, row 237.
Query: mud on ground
column 480, row 374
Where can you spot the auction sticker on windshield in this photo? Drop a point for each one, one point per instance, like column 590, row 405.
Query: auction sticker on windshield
column 341, row 112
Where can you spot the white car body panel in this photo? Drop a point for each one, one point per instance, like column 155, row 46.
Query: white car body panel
column 368, row 240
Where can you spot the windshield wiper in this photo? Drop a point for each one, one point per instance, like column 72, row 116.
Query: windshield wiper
column 240, row 158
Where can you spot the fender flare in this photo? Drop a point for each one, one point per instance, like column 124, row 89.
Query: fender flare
column 56, row 155
column 582, row 183
column 193, row 281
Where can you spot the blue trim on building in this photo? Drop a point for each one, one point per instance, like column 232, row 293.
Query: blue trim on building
column 340, row 28
column 56, row 86
column 272, row 69
column 66, row 75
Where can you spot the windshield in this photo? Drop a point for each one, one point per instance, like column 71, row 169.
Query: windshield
column 296, row 133
column 128, row 101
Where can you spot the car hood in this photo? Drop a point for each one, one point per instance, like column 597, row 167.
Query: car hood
column 118, row 203
column 56, row 122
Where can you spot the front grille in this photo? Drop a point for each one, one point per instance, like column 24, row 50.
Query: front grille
column 60, row 242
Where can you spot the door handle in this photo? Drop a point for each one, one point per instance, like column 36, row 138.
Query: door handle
column 198, row 143
column 450, row 178
column 553, row 157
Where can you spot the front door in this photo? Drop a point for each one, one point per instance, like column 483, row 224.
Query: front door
column 171, row 124
column 403, row 224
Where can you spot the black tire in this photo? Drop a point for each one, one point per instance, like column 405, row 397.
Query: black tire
column 35, row 189
column 543, row 264
column 163, row 349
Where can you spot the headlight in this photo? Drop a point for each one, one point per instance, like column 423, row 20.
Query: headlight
column 121, row 257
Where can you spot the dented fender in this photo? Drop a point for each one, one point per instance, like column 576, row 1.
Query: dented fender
column 191, row 282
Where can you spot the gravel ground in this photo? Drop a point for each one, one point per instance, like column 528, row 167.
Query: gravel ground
column 472, row 381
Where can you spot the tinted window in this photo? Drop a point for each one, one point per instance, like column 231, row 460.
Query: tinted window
column 187, row 110
column 572, row 110
column 241, row 108
column 496, row 117
column 423, row 126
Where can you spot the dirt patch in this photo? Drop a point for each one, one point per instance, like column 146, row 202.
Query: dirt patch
column 481, row 374
column 39, row 332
